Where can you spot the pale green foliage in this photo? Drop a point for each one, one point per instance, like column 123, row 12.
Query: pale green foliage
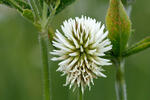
column 32, row 9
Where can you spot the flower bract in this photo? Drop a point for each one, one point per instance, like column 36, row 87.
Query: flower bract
column 80, row 48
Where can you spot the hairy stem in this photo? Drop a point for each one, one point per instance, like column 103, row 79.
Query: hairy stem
column 43, row 39
column 53, row 11
column 44, row 16
column 44, row 43
column 35, row 9
column 120, row 80
column 80, row 95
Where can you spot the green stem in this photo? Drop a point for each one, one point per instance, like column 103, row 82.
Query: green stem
column 39, row 7
column 53, row 11
column 35, row 9
column 44, row 15
column 120, row 80
column 80, row 95
column 43, row 39
column 44, row 43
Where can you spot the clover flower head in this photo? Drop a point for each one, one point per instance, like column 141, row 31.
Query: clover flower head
column 80, row 47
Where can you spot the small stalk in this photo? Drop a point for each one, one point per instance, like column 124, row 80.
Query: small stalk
column 53, row 11
column 80, row 95
column 35, row 9
column 44, row 43
column 120, row 80
column 43, row 40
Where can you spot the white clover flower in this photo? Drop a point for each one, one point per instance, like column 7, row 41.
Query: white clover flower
column 80, row 49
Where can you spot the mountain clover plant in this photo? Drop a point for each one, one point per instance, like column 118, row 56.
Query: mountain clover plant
column 84, row 46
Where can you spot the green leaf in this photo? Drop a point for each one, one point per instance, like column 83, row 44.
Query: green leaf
column 18, row 4
column 63, row 4
column 28, row 14
column 12, row 3
column 23, row 4
column 119, row 27
column 5, row 3
column 138, row 47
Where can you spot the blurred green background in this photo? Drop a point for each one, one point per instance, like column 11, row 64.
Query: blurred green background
column 20, row 63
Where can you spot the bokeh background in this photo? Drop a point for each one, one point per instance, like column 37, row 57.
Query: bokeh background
column 20, row 62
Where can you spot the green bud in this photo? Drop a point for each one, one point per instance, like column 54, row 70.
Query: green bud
column 28, row 14
column 119, row 26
